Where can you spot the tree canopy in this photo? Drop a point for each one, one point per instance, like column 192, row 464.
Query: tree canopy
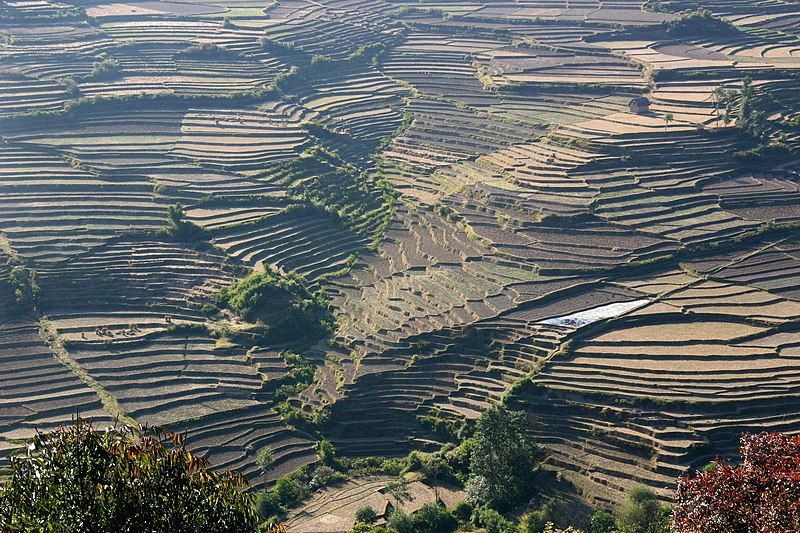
column 761, row 494
column 502, row 459
column 120, row 480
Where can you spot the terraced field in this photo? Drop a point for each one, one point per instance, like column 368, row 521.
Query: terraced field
column 586, row 209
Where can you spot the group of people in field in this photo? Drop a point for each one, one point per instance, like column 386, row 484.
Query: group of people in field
column 133, row 329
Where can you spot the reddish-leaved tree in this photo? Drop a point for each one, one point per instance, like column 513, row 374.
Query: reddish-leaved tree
column 762, row 495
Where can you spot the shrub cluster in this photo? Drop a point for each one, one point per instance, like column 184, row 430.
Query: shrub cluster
column 105, row 69
column 291, row 490
column 281, row 303
column 180, row 228
column 700, row 23
column 207, row 51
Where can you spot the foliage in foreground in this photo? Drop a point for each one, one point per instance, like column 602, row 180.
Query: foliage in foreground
column 120, row 480
column 762, row 494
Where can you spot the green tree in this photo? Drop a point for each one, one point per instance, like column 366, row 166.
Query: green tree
column 265, row 459
column 179, row 227
column 400, row 521
column 105, row 69
column 434, row 518
column 751, row 117
column 71, row 88
column 289, row 491
column 366, row 515
column 669, row 117
column 551, row 513
column 642, row 512
column 122, row 480
column 26, row 289
column 268, row 504
column 502, row 459
column 462, row 512
column 327, row 454
column 723, row 99
column 176, row 215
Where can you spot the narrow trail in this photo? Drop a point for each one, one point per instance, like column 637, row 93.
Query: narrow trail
column 49, row 334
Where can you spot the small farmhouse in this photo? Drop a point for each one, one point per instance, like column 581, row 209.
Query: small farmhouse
column 640, row 105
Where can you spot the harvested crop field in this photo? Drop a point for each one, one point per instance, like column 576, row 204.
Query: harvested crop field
column 587, row 210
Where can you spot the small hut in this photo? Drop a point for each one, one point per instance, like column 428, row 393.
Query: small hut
column 640, row 105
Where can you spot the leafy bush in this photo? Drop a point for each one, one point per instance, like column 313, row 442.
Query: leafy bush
column 289, row 491
column 276, row 47
column 268, row 504
column 207, row 51
column 366, row 515
column 412, row 10
column 697, row 24
column 552, row 512
column 759, row 495
column 121, row 480
column 493, row 521
column 669, row 6
column 533, row 522
column 462, row 512
column 372, row 465
column 602, row 522
column 641, row 512
column 71, row 88
column 282, row 303
column 105, row 69
column 400, row 521
column 434, row 518
column 327, row 454
column 180, row 228
column 43, row 15
column 762, row 156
